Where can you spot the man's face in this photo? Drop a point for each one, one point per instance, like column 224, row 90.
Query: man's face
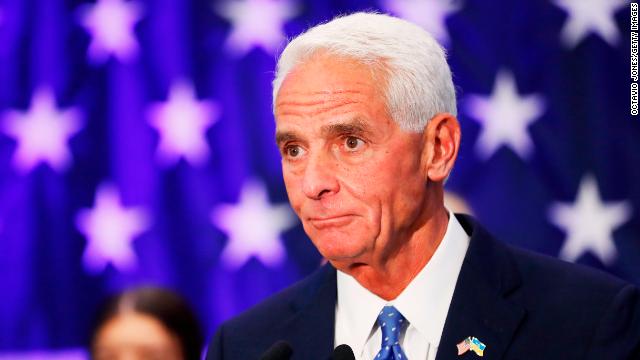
column 352, row 175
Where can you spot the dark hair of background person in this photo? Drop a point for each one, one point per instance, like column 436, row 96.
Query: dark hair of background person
column 171, row 310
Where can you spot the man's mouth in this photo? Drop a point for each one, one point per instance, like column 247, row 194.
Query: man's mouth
column 330, row 221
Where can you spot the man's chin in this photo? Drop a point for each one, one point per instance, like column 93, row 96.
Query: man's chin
column 337, row 245
column 342, row 255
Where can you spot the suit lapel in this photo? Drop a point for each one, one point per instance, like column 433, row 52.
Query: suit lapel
column 480, row 307
column 310, row 330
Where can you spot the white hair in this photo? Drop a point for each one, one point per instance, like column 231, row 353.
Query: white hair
column 418, row 78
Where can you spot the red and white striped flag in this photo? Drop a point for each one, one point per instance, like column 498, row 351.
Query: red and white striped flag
column 464, row 346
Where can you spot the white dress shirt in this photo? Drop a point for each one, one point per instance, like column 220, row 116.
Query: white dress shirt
column 424, row 303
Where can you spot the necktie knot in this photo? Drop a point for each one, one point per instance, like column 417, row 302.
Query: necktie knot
column 390, row 321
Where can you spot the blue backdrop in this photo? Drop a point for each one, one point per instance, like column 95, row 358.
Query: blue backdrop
column 136, row 147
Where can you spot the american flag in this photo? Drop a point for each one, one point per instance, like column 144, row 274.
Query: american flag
column 464, row 346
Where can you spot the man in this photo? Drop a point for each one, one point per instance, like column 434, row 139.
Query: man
column 365, row 120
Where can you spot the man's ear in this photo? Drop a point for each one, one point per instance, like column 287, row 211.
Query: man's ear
column 441, row 139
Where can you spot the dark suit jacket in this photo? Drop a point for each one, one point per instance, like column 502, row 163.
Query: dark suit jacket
column 519, row 304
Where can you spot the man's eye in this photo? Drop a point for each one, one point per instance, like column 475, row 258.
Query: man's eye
column 353, row 143
column 293, row 151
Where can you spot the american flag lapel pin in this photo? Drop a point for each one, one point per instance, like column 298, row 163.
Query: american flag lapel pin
column 471, row 343
column 464, row 345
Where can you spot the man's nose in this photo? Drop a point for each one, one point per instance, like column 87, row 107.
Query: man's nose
column 320, row 177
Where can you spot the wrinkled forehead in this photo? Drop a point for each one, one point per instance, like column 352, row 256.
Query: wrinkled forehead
column 327, row 80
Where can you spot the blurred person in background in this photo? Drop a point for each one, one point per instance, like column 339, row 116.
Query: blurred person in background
column 146, row 323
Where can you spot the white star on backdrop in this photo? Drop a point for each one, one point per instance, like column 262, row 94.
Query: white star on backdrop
column 182, row 122
column 111, row 25
column 590, row 16
column 504, row 116
column 253, row 227
column 256, row 23
column 42, row 132
column 589, row 223
column 110, row 228
column 428, row 14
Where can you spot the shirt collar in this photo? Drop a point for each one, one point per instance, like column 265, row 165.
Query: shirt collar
column 359, row 308
column 424, row 302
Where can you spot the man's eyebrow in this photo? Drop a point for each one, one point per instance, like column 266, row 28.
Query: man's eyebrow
column 285, row 136
column 355, row 126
